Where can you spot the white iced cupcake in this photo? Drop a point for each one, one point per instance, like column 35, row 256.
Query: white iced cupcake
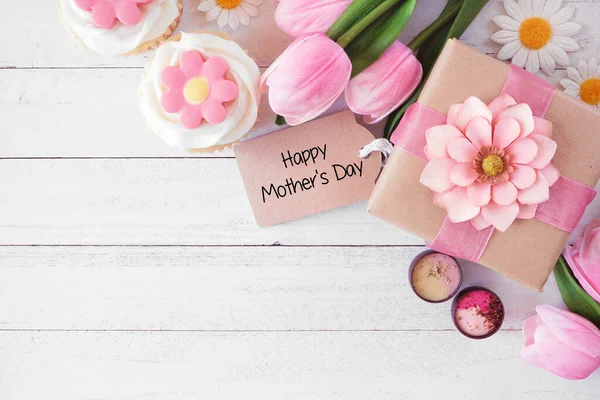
column 200, row 92
column 121, row 27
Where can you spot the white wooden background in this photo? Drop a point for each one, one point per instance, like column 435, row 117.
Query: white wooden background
column 132, row 271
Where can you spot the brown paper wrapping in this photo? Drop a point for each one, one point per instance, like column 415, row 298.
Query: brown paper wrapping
column 529, row 249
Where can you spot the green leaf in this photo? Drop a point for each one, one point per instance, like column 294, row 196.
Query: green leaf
column 380, row 35
column 356, row 11
column 576, row 299
column 429, row 52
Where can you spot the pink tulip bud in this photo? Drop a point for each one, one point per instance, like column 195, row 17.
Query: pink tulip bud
column 584, row 259
column 300, row 17
column 307, row 78
column 385, row 85
column 562, row 343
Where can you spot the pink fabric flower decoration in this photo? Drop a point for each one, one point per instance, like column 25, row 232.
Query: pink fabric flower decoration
column 301, row 17
column 490, row 164
column 106, row 13
column 197, row 89
column 307, row 78
column 385, row 85
column 584, row 259
column 562, row 343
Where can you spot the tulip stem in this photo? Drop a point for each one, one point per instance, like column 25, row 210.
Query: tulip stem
column 364, row 23
column 428, row 32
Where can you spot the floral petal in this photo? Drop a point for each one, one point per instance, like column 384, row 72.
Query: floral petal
column 243, row 16
column 234, row 21
column 565, row 43
column 545, row 153
column 459, row 207
column 505, row 37
column 523, row 176
column 506, row 131
column 250, row 9
column 191, row 116
column 214, row 112
column 582, row 67
column 524, row 116
column 439, row 199
column 472, row 108
column 480, row 223
column 213, row 13
column 173, row 77
column 172, row 101
column 513, row 10
column 520, row 58
column 527, row 211
column 504, row 194
column 500, row 103
column 452, row 113
column 533, row 62
column 542, row 127
column 563, row 15
column 463, row 174
column 552, row 6
column 506, row 22
column 191, row 63
column 526, row 7
column 551, row 174
column 479, row 132
column 223, row 18
column 574, row 75
column 509, row 50
column 436, row 174
column 537, row 193
column 523, row 151
column 438, row 138
column 479, row 194
column 215, row 68
column 206, row 5
column 568, row 29
column 462, row 150
column 501, row 217
column 224, row 90
column 546, row 61
column 529, row 327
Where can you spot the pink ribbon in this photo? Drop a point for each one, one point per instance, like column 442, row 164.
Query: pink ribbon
column 568, row 199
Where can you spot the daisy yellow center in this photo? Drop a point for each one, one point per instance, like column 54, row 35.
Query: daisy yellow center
column 492, row 165
column 229, row 4
column 535, row 33
column 590, row 91
column 196, row 90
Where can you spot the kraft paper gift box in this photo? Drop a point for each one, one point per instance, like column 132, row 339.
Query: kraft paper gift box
column 528, row 250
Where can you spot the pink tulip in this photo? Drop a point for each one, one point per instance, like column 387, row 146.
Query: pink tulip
column 584, row 259
column 385, row 85
column 300, row 17
column 307, row 78
column 562, row 343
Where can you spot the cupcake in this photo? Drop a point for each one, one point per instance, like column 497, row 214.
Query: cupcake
column 121, row 27
column 200, row 92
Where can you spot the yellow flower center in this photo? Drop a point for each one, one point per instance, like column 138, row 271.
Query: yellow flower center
column 492, row 165
column 590, row 91
column 229, row 4
column 196, row 90
column 535, row 32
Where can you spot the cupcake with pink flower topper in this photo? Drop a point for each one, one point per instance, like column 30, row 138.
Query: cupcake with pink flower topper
column 200, row 92
column 121, row 27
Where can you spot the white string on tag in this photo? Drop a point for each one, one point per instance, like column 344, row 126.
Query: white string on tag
column 382, row 146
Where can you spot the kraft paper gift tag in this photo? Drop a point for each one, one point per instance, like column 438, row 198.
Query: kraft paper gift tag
column 307, row 169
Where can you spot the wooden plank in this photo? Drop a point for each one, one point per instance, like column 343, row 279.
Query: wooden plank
column 273, row 365
column 88, row 113
column 159, row 201
column 231, row 289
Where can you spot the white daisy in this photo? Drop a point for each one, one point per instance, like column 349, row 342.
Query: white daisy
column 536, row 33
column 584, row 82
column 230, row 12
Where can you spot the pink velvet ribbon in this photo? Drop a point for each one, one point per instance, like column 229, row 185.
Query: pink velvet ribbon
column 568, row 199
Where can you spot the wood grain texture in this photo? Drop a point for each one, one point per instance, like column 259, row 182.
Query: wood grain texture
column 194, row 288
column 133, row 271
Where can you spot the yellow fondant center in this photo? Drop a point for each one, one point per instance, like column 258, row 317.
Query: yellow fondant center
column 196, row 90
column 492, row 165
column 535, row 32
column 229, row 4
column 590, row 91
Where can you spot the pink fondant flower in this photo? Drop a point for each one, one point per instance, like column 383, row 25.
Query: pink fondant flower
column 197, row 89
column 490, row 164
column 584, row 259
column 106, row 13
column 562, row 343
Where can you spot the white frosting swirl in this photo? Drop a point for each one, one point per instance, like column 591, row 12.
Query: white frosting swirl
column 241, row 112
column 121, row 39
